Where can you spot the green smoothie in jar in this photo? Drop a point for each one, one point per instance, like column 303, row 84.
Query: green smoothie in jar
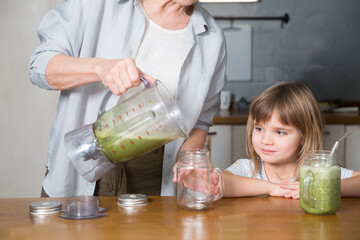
column 320, row 191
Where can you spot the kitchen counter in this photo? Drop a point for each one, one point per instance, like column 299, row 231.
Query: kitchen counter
column 229, row 218
column 240, row 117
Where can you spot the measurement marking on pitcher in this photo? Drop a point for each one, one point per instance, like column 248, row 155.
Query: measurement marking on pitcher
column 147, row 133
column 139, row 137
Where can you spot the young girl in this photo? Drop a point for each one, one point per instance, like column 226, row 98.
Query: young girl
column 284, row 122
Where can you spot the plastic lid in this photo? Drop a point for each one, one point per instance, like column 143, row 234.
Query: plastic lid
column 45, row 207
column 132, row 200
column 82, row 207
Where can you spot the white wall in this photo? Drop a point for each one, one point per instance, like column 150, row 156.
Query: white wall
column 26, row 111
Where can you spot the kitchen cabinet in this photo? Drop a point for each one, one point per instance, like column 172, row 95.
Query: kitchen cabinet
column 352, row 148
column 226, row 144
column 347, row 153
column 238, row 138
column 332, row 133
column 219, row 145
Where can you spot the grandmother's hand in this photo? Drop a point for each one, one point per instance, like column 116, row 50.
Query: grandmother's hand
column 197, row 180
column 120, row 75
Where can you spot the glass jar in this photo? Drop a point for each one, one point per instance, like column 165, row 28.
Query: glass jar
column 320, row 179
column 198, row 182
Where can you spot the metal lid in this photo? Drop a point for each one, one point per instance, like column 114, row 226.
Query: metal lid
column 45, row 207
column 132, row 200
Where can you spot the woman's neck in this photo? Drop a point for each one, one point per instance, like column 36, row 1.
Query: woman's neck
column 167, row 13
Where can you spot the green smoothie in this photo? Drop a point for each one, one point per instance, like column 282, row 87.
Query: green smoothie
column 124, row 133
column 122, row 141
column 324, row 195
column 118, row 149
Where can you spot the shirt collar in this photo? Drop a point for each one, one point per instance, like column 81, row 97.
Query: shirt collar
column 198, row 20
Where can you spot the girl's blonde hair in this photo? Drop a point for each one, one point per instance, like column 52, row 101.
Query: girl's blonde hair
column 296, row 106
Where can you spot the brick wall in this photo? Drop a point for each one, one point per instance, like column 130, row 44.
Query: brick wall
column 318, row 47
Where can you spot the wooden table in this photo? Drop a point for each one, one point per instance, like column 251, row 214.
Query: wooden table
column 262, row 218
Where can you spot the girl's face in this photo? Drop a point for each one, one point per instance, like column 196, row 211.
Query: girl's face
column 276, row 143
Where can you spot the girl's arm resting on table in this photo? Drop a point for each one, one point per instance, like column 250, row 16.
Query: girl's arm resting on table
column 350, row 187
column 239, row 186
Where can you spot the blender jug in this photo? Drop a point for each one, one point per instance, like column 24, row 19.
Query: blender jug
column 136, row 125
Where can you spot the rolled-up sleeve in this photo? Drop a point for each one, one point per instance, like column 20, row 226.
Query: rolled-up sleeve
column 59, row 33
column 212, row 102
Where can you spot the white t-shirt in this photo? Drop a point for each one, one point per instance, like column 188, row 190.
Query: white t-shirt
column 245, row 167
column 161, row 54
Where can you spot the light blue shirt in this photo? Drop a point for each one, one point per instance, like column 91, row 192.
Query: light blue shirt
column 113, row 29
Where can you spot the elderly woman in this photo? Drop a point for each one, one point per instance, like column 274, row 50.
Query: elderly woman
column 90, row 46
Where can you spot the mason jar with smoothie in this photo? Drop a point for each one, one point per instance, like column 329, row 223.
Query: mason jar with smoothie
column 320, row 179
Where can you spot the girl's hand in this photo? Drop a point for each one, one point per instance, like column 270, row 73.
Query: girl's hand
column 292, row 187
column 120, row 75
column 276, row 190
column 285, row 189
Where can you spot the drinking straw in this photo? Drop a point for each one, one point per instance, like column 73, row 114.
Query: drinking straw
column 337, row 143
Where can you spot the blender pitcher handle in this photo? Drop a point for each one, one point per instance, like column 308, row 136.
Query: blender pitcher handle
column 145, row 82
column 109, row 93
column 104, row 102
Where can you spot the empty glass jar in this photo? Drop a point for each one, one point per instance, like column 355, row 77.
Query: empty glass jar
column 198, row 182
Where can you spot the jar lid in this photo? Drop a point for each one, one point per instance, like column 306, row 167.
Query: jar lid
column 132, row 200
column 45, row 207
